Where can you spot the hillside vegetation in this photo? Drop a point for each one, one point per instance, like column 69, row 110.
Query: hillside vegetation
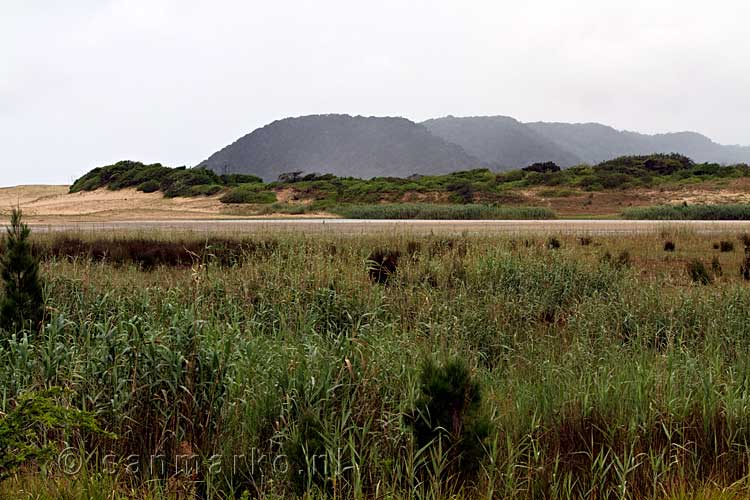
column 173, row 182
column 297, row 193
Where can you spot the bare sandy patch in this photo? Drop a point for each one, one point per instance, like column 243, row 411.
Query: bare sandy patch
column 55, row 202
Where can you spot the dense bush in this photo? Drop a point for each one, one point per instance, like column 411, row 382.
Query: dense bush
column 382, row 265
column 698, row 272
column 120, row 175
column 237, row 179
column 151, row 186
column 251, row 193
column 543, row 168
column 186, row 182
column 173, row 182
column 22, row 430
column 726, row 246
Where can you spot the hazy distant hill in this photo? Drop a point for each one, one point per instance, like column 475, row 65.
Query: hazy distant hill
column 342, row 145
column 502, row 141
column 367, row 147
column 594, row 143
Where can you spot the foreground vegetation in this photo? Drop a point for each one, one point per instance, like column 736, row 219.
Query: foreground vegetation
column 390, row 367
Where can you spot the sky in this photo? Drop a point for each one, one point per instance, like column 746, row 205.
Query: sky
column 85, row 83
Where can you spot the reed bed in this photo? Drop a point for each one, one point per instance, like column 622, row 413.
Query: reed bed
column 689, row 212
column 292, row 370
column 428, row 211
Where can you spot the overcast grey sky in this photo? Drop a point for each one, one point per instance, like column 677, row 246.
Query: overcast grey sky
column 85, row 83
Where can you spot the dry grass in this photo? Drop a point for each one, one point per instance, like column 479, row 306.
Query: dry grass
column 53, row 204
column 574, row 202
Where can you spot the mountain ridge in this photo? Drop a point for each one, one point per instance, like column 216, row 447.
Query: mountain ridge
column 611, row 143
column 342, row 145
column 371, row 146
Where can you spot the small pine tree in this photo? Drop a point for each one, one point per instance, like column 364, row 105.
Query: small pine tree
column 450, row 409
column 22, row 305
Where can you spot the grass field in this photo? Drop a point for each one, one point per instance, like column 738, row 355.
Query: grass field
column 559, row 366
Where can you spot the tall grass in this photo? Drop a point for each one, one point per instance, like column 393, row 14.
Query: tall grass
column 438, row 212
column 689, row 212
column 597, row 380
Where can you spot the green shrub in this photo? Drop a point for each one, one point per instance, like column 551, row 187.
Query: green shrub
column 173, row 182
column 382, row 264
column 182, row 181
column 23, row 429
column 251, row 193
column 237, row 179
column 624, row 259
column 205, row 190
column 151, row 186
column 698, row 272
column 120, row 175
column 726, row 246
column 284, row 208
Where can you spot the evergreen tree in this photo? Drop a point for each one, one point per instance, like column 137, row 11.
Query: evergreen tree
column 450, row 410
column 22, row 305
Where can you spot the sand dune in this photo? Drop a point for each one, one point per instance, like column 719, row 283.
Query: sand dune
column 42, row 203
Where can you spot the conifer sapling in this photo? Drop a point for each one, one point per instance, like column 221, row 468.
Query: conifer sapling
column 22, row 304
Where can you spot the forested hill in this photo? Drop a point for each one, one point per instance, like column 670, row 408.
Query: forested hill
column 594, row 143
column 367, row 147
column 501, row 141
column 341, row 145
